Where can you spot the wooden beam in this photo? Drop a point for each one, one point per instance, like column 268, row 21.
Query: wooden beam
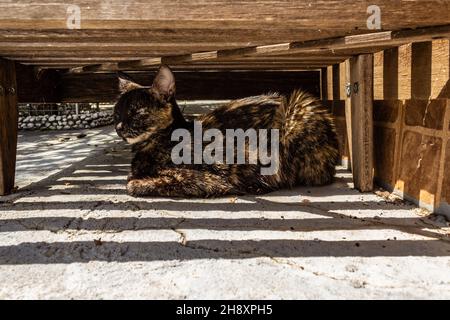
column 324, row 83
column 361, row 78
column 145, row 54
column 317, row 60
column 197, row 67
column 260, row 15
column 110, row 47
column 370, row 40
column 237, row 36
column 373, row 41
column 347, row 81
column 8, row 126
column 218, row 85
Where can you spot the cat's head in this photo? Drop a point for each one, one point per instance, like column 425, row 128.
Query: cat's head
column 142, row 111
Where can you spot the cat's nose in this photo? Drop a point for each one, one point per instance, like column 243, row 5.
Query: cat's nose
column 119, row 126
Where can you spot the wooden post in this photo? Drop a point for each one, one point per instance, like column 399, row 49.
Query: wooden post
column 8, row 125
column 324, row 84
column 361, row 110
column 348, row 112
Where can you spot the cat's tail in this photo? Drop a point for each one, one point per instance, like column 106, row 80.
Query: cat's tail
column 310, row 144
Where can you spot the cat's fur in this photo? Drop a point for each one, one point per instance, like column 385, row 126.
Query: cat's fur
column 147, row 116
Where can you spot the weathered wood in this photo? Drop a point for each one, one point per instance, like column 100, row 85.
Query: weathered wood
column 103, row 87
column 191, row 68
column 348, row 111
column 158, row 62
column 320, row 14
column 8, row 126
column 330, row 83
column 356, row 42
column 166, row 48
column 149, row 53
column 198, row 31
column 336, row 77
column 413, row 71
column 324, row 83
column 443, row 194
column 361, row 78
column 237, row 36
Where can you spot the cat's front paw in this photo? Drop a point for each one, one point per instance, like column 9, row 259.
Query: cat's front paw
column 133, row 188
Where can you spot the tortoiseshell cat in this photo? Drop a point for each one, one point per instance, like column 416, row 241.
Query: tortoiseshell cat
column 146, row 117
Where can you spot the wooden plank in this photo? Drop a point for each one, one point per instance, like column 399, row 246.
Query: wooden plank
column 117, row 14
column 106, row 68
column 112, row 66
column 443, row 170
column 414, row 71
column 361, row 41
column 348, row 111
column 113, row 46
column 100, row 64
column 329, row 83
column 217, row 64
column 336, row 75
column 8, row 126
column 187, row 67
column 355, row 42
column 230, row 36
column 103, row 87
column 324, row 83
column 136, row 54
column 361, row 78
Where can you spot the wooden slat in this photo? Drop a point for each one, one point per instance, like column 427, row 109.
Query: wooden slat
column 247, row 60
column 355, row 42
column 179, row 67
column 324, row 83
column 8, row 126
column 112, row 46
column 361, row 75
column 106, row 68
column 103, row 87
column 135, row 54
column 320, row 14
column 234, row 36
column 348, row 111
column 413, row 71
column 189, row 31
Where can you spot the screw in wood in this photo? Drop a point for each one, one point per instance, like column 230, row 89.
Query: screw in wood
column 348, row 89
column 356, row 87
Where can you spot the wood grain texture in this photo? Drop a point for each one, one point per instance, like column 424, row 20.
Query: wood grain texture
column 210, row 14
column 358, row 43
column 361, row 73
column 8, row 126
column 413, row 71
column 189, row 31
column 348, row 108
column 324, row 83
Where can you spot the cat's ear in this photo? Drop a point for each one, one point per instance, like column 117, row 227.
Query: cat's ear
column 164, row 83
column 126, row 83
